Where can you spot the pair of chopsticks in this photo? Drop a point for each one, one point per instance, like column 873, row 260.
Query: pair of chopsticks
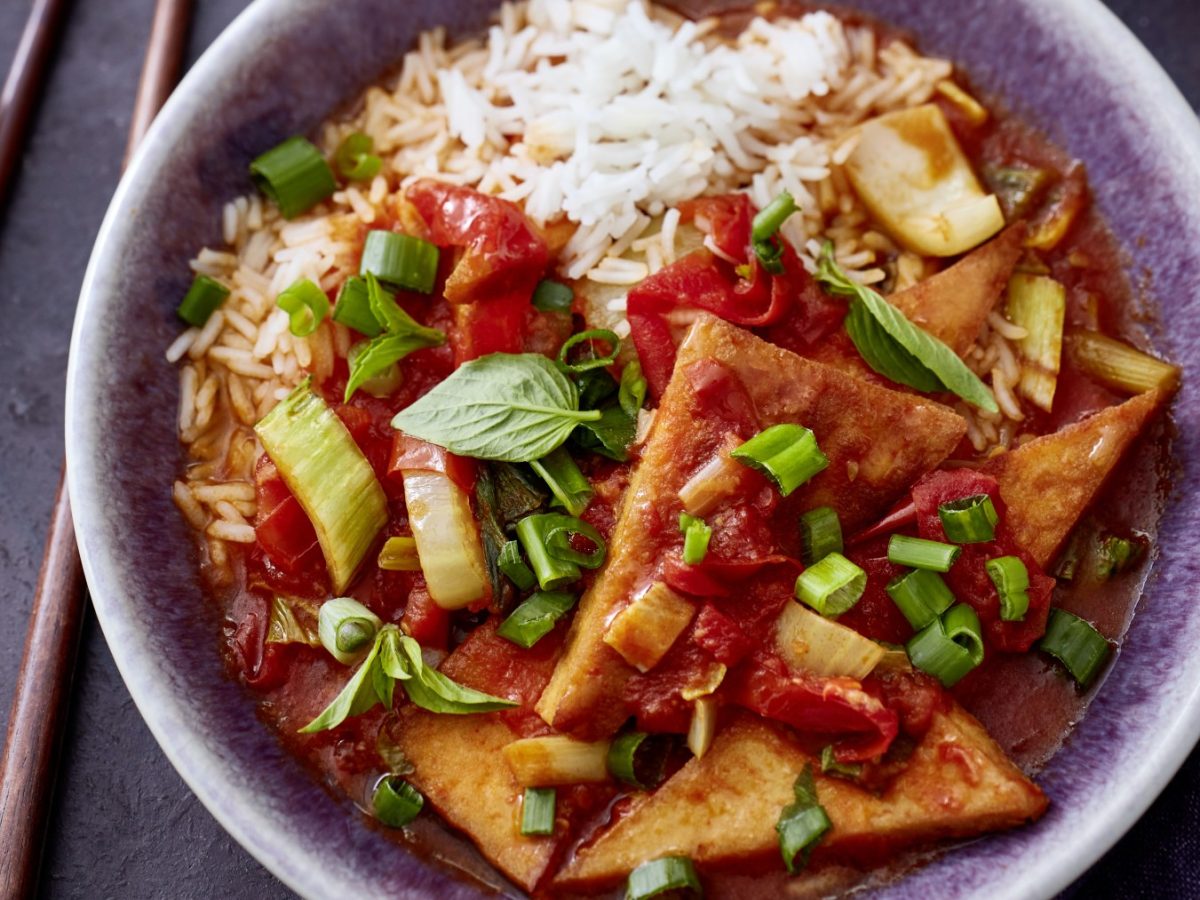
column 43, row 687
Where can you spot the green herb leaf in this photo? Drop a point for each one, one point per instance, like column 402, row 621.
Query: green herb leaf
column 356, row 697
column 913, row 347
column 430, row 689
column 610, row 435
column 885, row 355
column 632, row 393
column 509, row 407
column 402, row 334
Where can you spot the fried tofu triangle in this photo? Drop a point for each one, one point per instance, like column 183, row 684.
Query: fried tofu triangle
column 1049, row 482
column 878, row 442
column 721, row 809
column 458, row 767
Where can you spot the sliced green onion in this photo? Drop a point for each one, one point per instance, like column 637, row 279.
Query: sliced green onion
column 1011, row 579
column 638, row 759
column 918, row 553
column 399, row 554
column 764, row 231
column 400, row 260
column 821, row 533
column 668, row 873
column 1120, row 366
column 203, row 299
column 969, row 520
column 553, row 296
column 353, row 307
column 555, row 531
column 696, row 535
column 294, row 175
column 346, row 628
column 950, row 646
column 1076, row 644
column 801, row 824
column 552, row 573
column 591, row 361
column 568, row 485
column 537, row 811
column 1115, row 555
column 536, row 617
column 830, row 765
column 769, row 219
column 832, row 585
column 921, row 595
column 787, row 454
column 306, row 306
column 1068, row 561
column 325, row 469
column 514, row 567
column 354, row 159
column 396, row 802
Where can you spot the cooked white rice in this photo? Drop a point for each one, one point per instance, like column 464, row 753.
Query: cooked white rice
column 605, row 113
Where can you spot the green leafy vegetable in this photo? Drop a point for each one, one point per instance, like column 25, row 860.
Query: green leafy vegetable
column 509, row 407
column 899, row 349
column 430, row 689
column 401, row 335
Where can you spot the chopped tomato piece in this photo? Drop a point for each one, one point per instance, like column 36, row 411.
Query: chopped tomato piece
column 503, row 254
column 264, row 666
column 281, row 526
column 721, row 636
column 914, row 696
column 726, row 218
column 814, row 705
column 424, row 620
column 413, row 453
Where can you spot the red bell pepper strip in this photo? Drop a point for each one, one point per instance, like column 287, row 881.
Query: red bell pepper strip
column 410, row 453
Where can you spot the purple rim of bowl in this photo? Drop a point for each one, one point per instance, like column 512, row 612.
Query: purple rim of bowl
column 1068, row 67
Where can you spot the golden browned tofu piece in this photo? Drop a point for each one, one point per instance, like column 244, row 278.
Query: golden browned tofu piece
column 459, row 768
column 878, row 442
column 722, row 808
column 1049, row 482
column 953, row 304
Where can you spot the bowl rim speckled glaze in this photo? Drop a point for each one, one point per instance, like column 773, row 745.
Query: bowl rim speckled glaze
column 1120, row 112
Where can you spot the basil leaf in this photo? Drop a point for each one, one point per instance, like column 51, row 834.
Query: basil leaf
column 517, row 492
column 431, row 690
column 883, row 354
column 491, row 531
column 923, row 348
column 610, row 435
column 391, row 660
column 383, row 683
column 402, row 334
column 595, row 386
column 508, row 407
column 356, row 697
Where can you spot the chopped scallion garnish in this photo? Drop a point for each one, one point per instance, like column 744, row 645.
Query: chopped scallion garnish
column 590, row 360
column 536, row 617
column 353, row 307
column 918, row 553
column 346, row 628
column 1114, row 555
column 950, row 646
column 537, row 811
column 802, row 823
column 553, row 296
column 921, row 595
column 764, row 232
column 512, row 565
column 668, row 873
column 831, row 586
column 696, row 535
column 306, row 306
column 569, row 486
column 203, row 299
column 787, row 454
column 1076, row 644
column 1011, row 579
column 638, row 759
column 354, row 159
column 821, row 533
column 554, row 531
column 400, row 260
column 830, row 765
column 969, row 520
column 396, row 801
column 399, row 554
column 294, row 175
column 552, row 573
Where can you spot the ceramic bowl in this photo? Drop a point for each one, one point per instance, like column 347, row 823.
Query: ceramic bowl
column 1069, row 67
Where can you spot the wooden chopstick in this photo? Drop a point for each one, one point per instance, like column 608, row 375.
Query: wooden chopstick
column 24, row 82
column 40, row 704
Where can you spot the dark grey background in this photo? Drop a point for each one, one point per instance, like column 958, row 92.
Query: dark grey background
column 124, row 825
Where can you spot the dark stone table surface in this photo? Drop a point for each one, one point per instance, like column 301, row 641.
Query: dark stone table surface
column 124, row 824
